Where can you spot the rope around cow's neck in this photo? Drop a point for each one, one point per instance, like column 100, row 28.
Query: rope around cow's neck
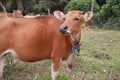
column 75, row 40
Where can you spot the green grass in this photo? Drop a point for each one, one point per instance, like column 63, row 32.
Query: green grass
column 100, row 51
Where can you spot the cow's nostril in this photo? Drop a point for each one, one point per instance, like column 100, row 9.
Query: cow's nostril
column 65, row 27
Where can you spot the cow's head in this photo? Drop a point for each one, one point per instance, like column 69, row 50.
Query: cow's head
column 72, row 21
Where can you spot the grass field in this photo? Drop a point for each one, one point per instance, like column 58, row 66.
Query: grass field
column 99, row 55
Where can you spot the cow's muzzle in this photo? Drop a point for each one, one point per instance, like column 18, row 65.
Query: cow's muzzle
column 64, row 29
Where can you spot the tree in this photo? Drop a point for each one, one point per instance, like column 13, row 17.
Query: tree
column 101, row 2
column 14, row 4
column 35, row 6
column 44, row 6
column 92, row 5
column 83, row 5
column 19, row 5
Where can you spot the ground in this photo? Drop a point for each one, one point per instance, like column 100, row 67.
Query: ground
column 99, row 56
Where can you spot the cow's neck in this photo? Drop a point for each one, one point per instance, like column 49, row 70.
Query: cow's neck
column 75, row 40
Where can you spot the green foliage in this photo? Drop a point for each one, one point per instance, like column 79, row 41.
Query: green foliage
column 112, row 8
column 112, row 23
column 83, row 5
column 34, row 6
column 48, row 77
column 108, row 16
column 101, row 2
column 63, row 77
column 117, row 66
column 115, row 7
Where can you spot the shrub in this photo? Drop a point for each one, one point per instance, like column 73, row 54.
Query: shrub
column 112, row 23
column 82, row 5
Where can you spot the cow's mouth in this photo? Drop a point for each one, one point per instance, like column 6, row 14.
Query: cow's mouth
column 65, row 32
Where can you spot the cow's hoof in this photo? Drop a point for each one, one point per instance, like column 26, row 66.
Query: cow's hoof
column 70, row 66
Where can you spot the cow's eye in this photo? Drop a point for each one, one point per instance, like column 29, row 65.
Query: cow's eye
column 76, row 19
column 63, row 18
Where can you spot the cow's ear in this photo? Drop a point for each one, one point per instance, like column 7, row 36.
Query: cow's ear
column 88, row 15
column 59, row 15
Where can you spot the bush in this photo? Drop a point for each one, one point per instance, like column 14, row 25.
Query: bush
column 82, row 5
column 112, row 23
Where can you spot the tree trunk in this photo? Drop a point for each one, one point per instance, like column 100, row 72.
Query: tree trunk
column 19, row 5
column 92, row 5
column 4, row 9
column 48, row 11
column 9, row 4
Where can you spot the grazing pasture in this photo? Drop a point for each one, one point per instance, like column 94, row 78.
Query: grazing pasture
column 99, row 55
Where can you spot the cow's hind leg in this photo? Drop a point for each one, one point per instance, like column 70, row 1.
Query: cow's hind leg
column 55, row 68
column 2, row 63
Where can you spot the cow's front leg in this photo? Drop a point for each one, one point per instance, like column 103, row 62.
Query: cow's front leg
column 55, row 67
column 2, row 63
column 70, row 62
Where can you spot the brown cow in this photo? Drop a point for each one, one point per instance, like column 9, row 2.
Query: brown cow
column 16, row 13
column 40, row 38
column 3, row 14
